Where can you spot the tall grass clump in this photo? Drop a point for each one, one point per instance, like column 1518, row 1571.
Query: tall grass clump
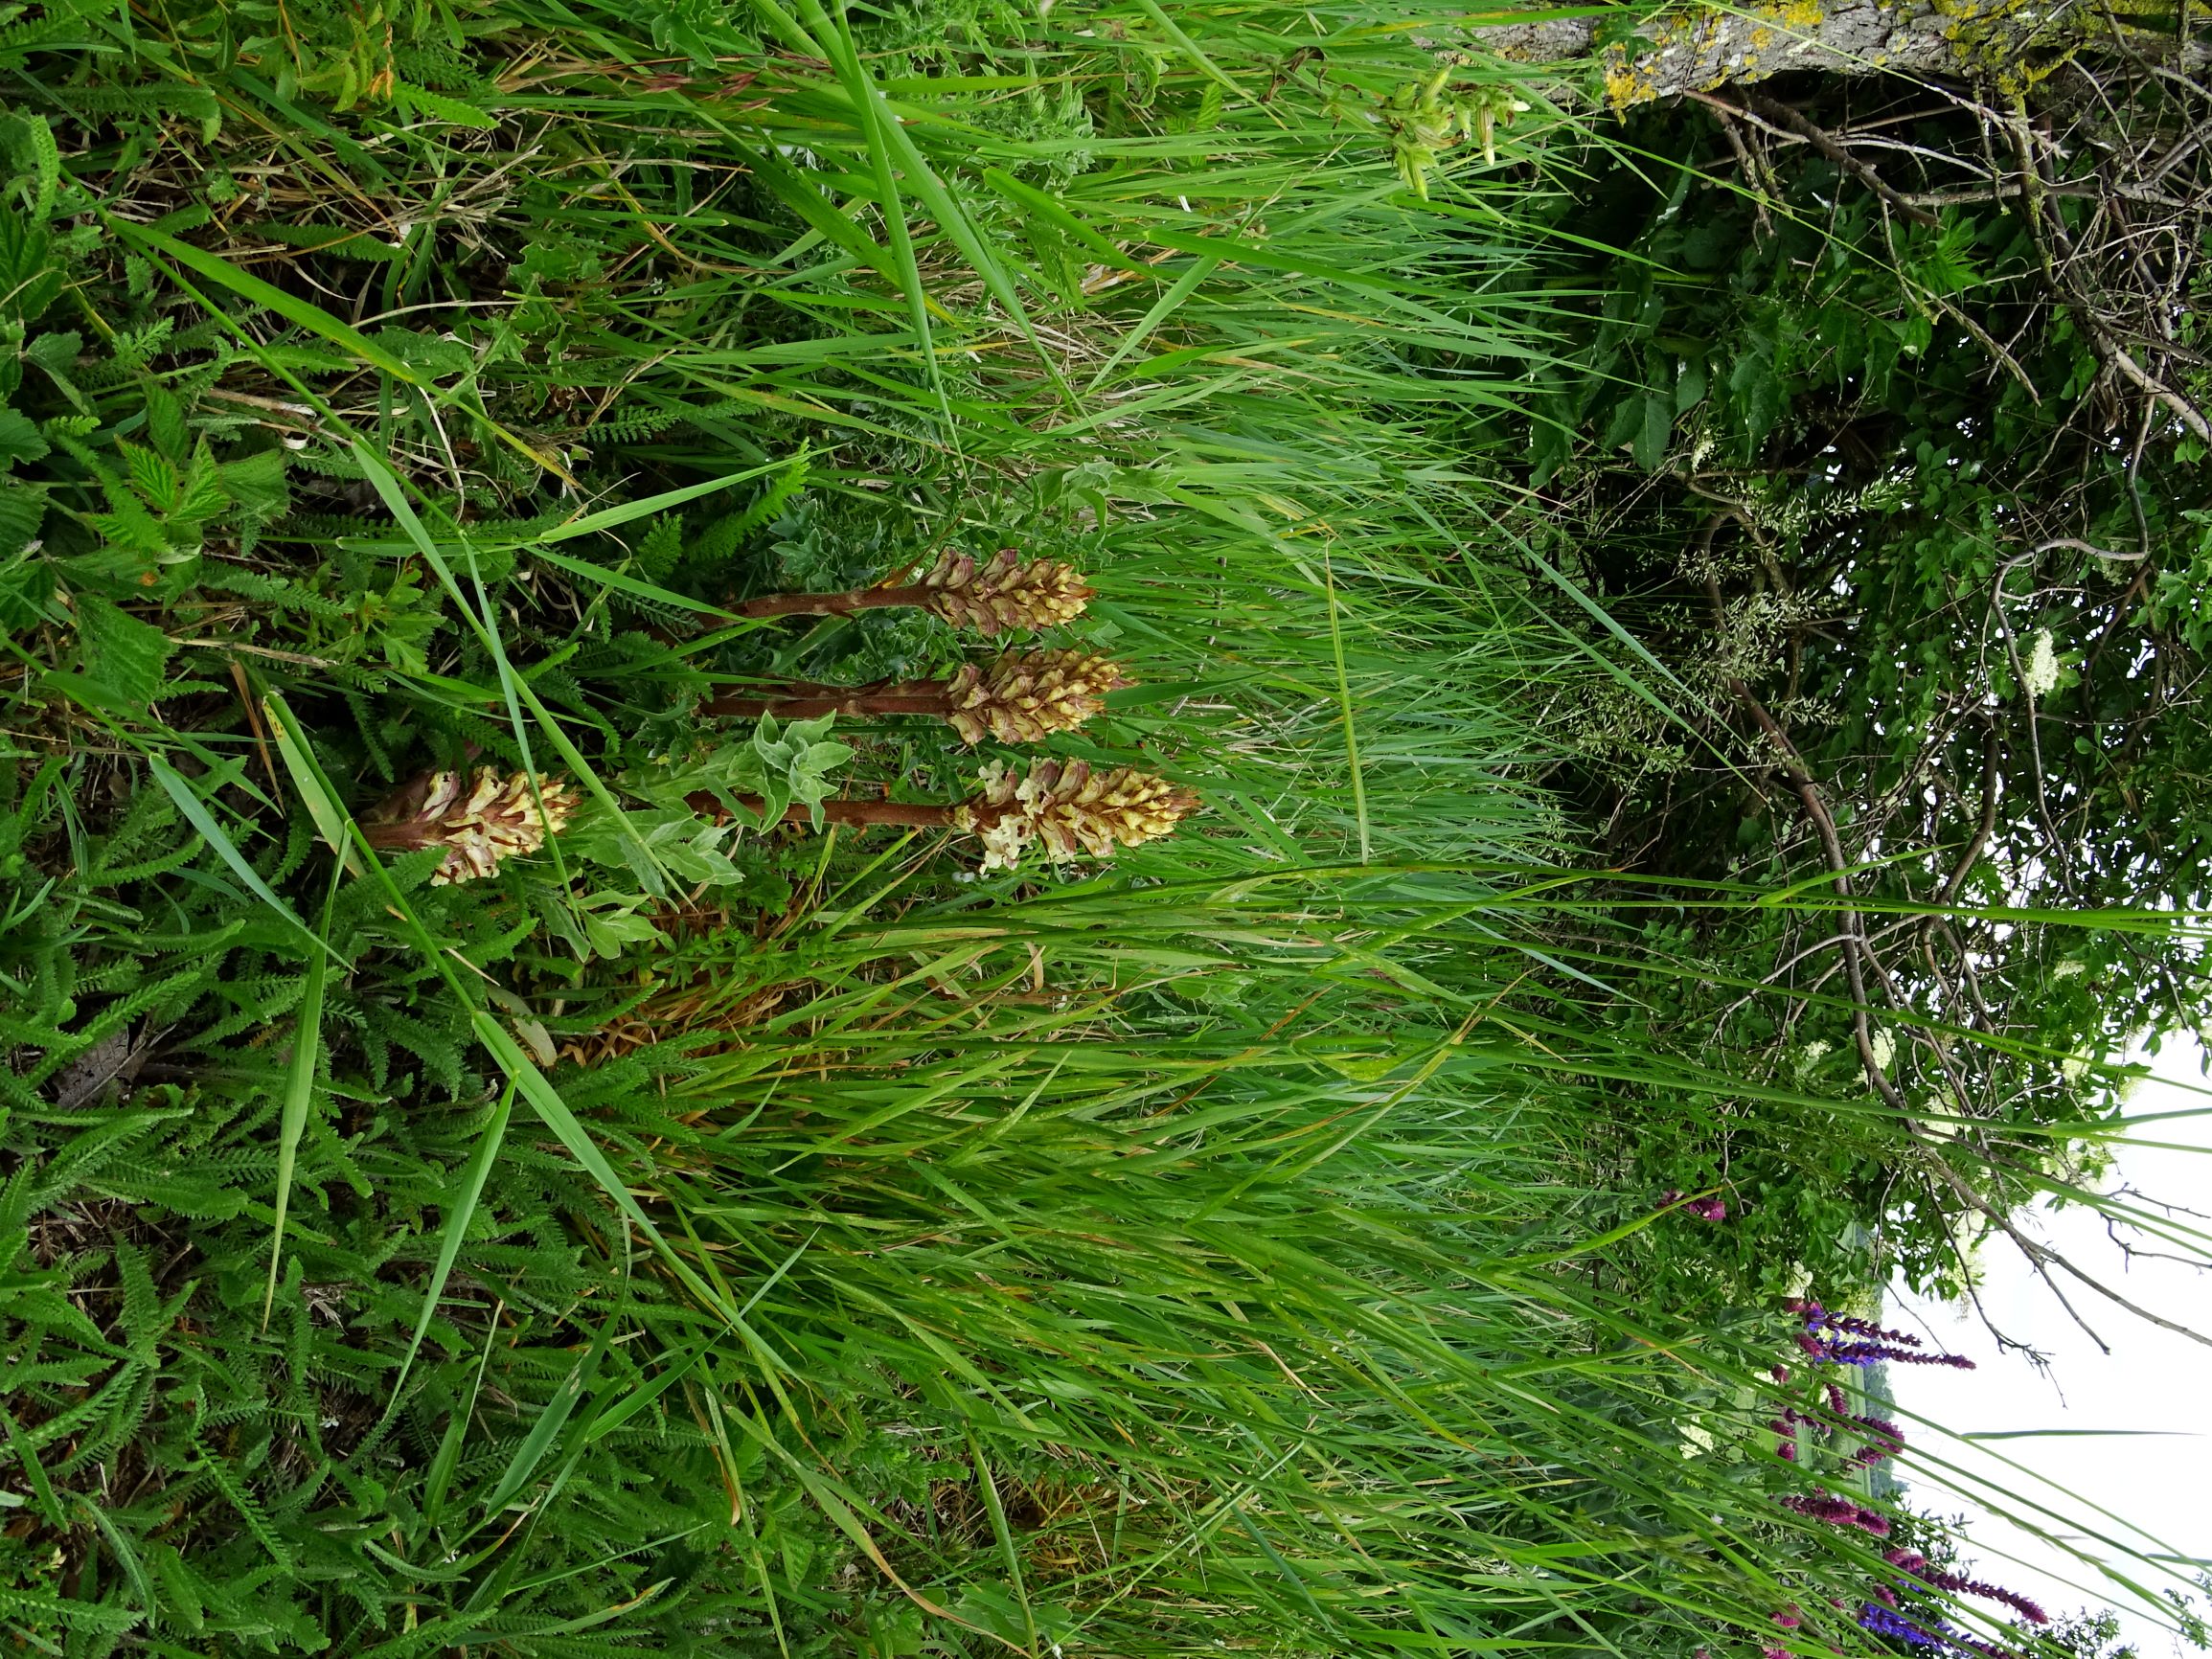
column 526, row 1127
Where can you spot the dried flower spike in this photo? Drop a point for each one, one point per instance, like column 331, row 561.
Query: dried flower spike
column 1070, row 808
column 478, row 821
column 1004, row 593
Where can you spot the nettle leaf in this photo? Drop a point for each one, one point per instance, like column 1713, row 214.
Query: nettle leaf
column 56, row 354
column 19, row 439
column 25, row 584
column 257, row 492
column 1649, row 444
column 1690, row 388
column 151, row 475
column 201, row 494
column 1758, row 391
column 165, row 421
column 22, row 510
column 123, row 655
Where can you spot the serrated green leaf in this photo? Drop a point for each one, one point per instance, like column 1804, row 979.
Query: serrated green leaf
column 201, row 492
column 56, row 354
column 450, row 110
column 1649, row 445
column 19, row 439
column 151, row 475
column 121, row 653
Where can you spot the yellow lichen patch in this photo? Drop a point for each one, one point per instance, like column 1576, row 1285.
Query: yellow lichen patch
column 1627, row 81
column 1696, row 37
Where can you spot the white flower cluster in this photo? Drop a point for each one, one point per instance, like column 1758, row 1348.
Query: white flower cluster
column 2041, row 676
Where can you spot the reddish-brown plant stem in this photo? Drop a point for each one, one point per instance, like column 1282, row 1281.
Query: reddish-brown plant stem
column 860, row 814
column 832, row 603
column 806, row 700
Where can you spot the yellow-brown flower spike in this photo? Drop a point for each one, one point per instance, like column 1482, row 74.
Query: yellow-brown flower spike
column 1070, row 807
column 1028, row 695
column 1004, row 593
column 478, row 821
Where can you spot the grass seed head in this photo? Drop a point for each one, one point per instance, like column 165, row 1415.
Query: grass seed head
column 1004, row 593
column 478, row 821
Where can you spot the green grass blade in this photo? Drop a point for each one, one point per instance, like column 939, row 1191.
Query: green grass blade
column 198, row 815
column 317, row 321
column 299, row 1090
column 481, row 618
column 569, row 1130
column 667, row 501
column 460, row 1211
column 307, row 779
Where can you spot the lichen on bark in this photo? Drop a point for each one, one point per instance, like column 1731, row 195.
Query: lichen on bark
column 1702, row 49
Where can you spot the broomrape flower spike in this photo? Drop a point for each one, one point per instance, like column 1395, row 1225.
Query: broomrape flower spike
column 1068, row 807
column 478, row 821
column 1021, row 697
column 1000, row 595
column 1004, row 593
column 1026, row 696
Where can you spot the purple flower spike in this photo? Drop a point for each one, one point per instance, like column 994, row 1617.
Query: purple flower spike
column 1839, row 1512
column 1958, row 1584
column 1838, row 1352
column 1887, row 1622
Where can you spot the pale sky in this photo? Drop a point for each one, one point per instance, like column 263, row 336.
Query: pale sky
column 2155, row 1478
